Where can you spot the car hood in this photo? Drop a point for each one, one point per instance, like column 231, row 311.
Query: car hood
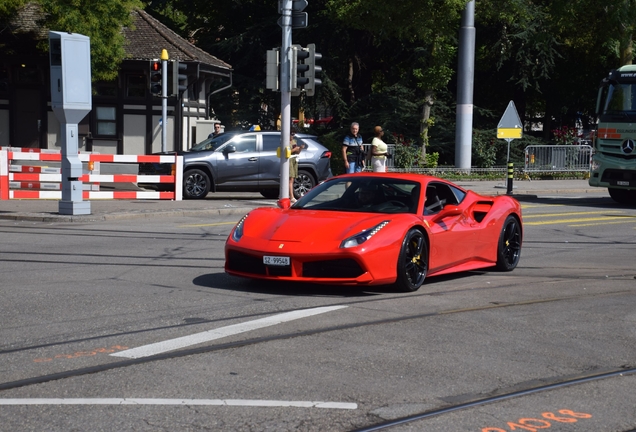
column 292, row 225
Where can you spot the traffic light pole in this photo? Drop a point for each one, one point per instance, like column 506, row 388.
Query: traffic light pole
column 285, row 99
column 164, row 100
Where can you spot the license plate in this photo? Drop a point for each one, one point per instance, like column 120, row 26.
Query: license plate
column 622, row 183
column 276, row 260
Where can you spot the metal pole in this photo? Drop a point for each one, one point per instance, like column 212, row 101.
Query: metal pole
column 465, row 76
column 285, row 99
column 510, row 170
column 164, row 100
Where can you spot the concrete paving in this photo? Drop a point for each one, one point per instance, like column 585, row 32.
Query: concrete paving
column 241, row 203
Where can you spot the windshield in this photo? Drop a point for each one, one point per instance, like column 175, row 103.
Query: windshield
column 363, row 194
column 212, row 143
column 619, row 98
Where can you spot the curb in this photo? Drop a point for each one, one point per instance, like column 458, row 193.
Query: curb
column 52, row 217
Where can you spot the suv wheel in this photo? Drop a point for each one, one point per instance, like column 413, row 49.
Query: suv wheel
column 196, row 184
column 270, row 193
column 303, row 183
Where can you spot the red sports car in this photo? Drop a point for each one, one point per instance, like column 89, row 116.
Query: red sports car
column 377, row 229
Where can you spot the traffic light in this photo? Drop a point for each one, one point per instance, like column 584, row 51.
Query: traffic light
column 272, row 68
column 155, row 78
column 179, row 79
column 298, row 69
column 299, row 18
column 313, row 71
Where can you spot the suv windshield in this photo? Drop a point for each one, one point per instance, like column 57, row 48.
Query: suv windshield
column 212, row 143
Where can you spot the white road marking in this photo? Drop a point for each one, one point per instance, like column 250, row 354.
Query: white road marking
column 192, row 402
column 206, row 336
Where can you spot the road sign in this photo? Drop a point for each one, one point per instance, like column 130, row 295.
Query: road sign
column 510, row 126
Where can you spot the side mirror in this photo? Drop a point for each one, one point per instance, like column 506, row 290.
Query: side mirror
column 230, row 148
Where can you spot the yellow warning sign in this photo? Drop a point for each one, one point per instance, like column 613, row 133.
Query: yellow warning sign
column 503, row 133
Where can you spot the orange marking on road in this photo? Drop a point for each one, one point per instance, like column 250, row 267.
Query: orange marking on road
column 82, row 354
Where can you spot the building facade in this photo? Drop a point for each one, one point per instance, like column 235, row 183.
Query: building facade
column 126, row 118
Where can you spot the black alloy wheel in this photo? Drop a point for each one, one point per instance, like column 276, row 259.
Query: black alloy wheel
column 509, row 247
column 270, row 193
column 303, row 183
column 196, row 184
column 412, row 264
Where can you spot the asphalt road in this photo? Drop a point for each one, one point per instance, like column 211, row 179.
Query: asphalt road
column 133, row 325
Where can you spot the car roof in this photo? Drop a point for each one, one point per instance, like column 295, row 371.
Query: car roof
column 422, row 178
column 268, row 132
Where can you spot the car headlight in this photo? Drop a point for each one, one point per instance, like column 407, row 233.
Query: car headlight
column 238, row 229
column 595, row 165
column 361, row 237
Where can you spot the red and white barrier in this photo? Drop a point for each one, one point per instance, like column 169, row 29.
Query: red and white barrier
column 47, row 178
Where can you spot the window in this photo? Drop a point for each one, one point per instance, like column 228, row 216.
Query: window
column 271, row 142
column 193, row 90
column 136, row 86
column 105, row 118
column 245, row 144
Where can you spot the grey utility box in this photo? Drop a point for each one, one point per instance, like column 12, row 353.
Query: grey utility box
column 70, row 56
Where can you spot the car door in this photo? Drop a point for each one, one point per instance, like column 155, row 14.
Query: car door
column 269, row 162
column 452, row 232
column 237, row 162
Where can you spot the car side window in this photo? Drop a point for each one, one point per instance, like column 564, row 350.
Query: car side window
column 245, row 143
column 271, row 142
column 445, row 194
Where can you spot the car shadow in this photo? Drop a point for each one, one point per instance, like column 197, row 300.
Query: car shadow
column 601, row 202
column 223, row 281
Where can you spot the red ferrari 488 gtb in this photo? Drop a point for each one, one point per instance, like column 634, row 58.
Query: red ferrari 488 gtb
column 377, row 229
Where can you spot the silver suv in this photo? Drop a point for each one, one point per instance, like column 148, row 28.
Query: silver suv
column 247, row 162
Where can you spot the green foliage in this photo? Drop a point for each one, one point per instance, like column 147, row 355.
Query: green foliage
column 101, row 20
column 8, row 9
column 431, row 160
column 485, row 148
column 406, row 153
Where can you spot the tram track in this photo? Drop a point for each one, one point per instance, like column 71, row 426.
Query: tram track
column 385, row 425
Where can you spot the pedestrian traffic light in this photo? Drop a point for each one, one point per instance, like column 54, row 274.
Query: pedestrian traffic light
column 272, row 69
column 298, row 69
column 155, row 78
column 179, row 78
column 313, row 70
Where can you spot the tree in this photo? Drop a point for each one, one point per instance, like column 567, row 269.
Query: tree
column 430, row 25
column 101, row 20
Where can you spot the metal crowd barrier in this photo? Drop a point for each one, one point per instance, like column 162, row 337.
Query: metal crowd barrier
column 545, row 158
column 390, row 162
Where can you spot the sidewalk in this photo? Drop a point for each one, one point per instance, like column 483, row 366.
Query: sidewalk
column 240, row 203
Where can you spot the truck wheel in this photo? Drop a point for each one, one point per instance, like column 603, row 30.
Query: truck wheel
column 196, row 184
column 303, row 183
column 623, row 196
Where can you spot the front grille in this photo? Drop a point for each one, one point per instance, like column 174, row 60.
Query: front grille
column 279, row 270
column 338, row 268
column 619, row 155
column 613, row 175
column 244, row 263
